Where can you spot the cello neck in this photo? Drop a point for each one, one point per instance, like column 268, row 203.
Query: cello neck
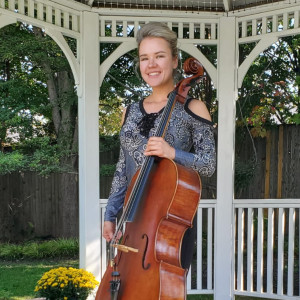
column 137, row 191
column 191, row 66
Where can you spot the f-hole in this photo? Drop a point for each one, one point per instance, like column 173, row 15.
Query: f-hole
column 144, row 255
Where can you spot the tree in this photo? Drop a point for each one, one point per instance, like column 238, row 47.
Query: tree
column 121, row 86
column 39, row 103
column 37, row 92
column 270, row 90
column 269, row 96
column 22, row 92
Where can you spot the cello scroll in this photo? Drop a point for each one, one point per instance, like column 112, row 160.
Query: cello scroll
column 191, row 67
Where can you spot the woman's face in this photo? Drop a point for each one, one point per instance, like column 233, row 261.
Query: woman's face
column 156, row 62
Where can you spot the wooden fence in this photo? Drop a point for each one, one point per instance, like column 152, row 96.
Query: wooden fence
column 34, row 206
column 277, row 171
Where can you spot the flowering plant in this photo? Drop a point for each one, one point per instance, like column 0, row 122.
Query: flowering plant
column 66, row 284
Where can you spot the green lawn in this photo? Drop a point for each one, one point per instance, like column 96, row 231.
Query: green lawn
column 200, row 297
column 211, row 297
column 18, row 279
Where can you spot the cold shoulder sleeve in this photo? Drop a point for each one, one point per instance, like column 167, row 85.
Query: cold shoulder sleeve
column 118, row 190
column 203, row 158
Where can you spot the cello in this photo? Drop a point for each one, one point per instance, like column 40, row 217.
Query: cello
column 160, row 205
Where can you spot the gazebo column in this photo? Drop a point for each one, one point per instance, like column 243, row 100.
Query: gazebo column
column 227, row 95
column 88, row 113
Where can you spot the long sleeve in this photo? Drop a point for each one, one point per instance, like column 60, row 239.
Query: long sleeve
column 186, row 131
column 203, row 159
column 118, row 190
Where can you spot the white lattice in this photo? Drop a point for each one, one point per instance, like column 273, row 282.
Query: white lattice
column 280, row 22
column 267, row 246
column 45, row 12
column 114, row 28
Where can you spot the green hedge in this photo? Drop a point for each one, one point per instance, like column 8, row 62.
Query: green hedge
column 62, row 248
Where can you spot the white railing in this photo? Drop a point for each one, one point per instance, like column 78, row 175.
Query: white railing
column 103, row 263
column 253, row 27
column 121, row 28
column 201, row 274
column 45, row 12
column 266, row 247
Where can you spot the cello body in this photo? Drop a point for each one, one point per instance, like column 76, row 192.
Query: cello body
column 166, row 210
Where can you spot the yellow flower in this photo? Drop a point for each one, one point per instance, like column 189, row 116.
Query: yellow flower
column 79, row 280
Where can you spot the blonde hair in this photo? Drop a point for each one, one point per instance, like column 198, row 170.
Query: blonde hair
column 160, row 30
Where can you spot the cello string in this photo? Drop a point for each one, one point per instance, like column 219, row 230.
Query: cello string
column 160, row 131
column 133, row 199
column 144, row 169
column 148, row 161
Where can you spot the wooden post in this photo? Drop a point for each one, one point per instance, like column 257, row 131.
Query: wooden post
column 268, row 165
column 279, row 164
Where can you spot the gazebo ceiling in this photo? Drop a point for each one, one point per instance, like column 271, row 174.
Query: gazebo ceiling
column 183, row 5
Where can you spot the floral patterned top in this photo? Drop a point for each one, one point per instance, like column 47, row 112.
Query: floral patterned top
column 186, row 131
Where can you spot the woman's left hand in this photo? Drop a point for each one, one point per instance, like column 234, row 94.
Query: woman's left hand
column 157, row 146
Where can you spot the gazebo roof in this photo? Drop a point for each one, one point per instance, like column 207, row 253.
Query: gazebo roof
column 181, row 5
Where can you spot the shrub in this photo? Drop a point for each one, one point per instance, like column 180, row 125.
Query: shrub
column 10, row 251
column 11, row 162
column 107, row 170
column 34, row 250
column 66, row 283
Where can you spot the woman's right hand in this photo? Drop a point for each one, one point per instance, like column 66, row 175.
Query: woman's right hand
column 108, row 230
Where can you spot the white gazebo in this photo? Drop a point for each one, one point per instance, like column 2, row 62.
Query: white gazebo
column 225, row 24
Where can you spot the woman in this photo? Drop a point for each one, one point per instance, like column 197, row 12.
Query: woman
column 190, row 126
